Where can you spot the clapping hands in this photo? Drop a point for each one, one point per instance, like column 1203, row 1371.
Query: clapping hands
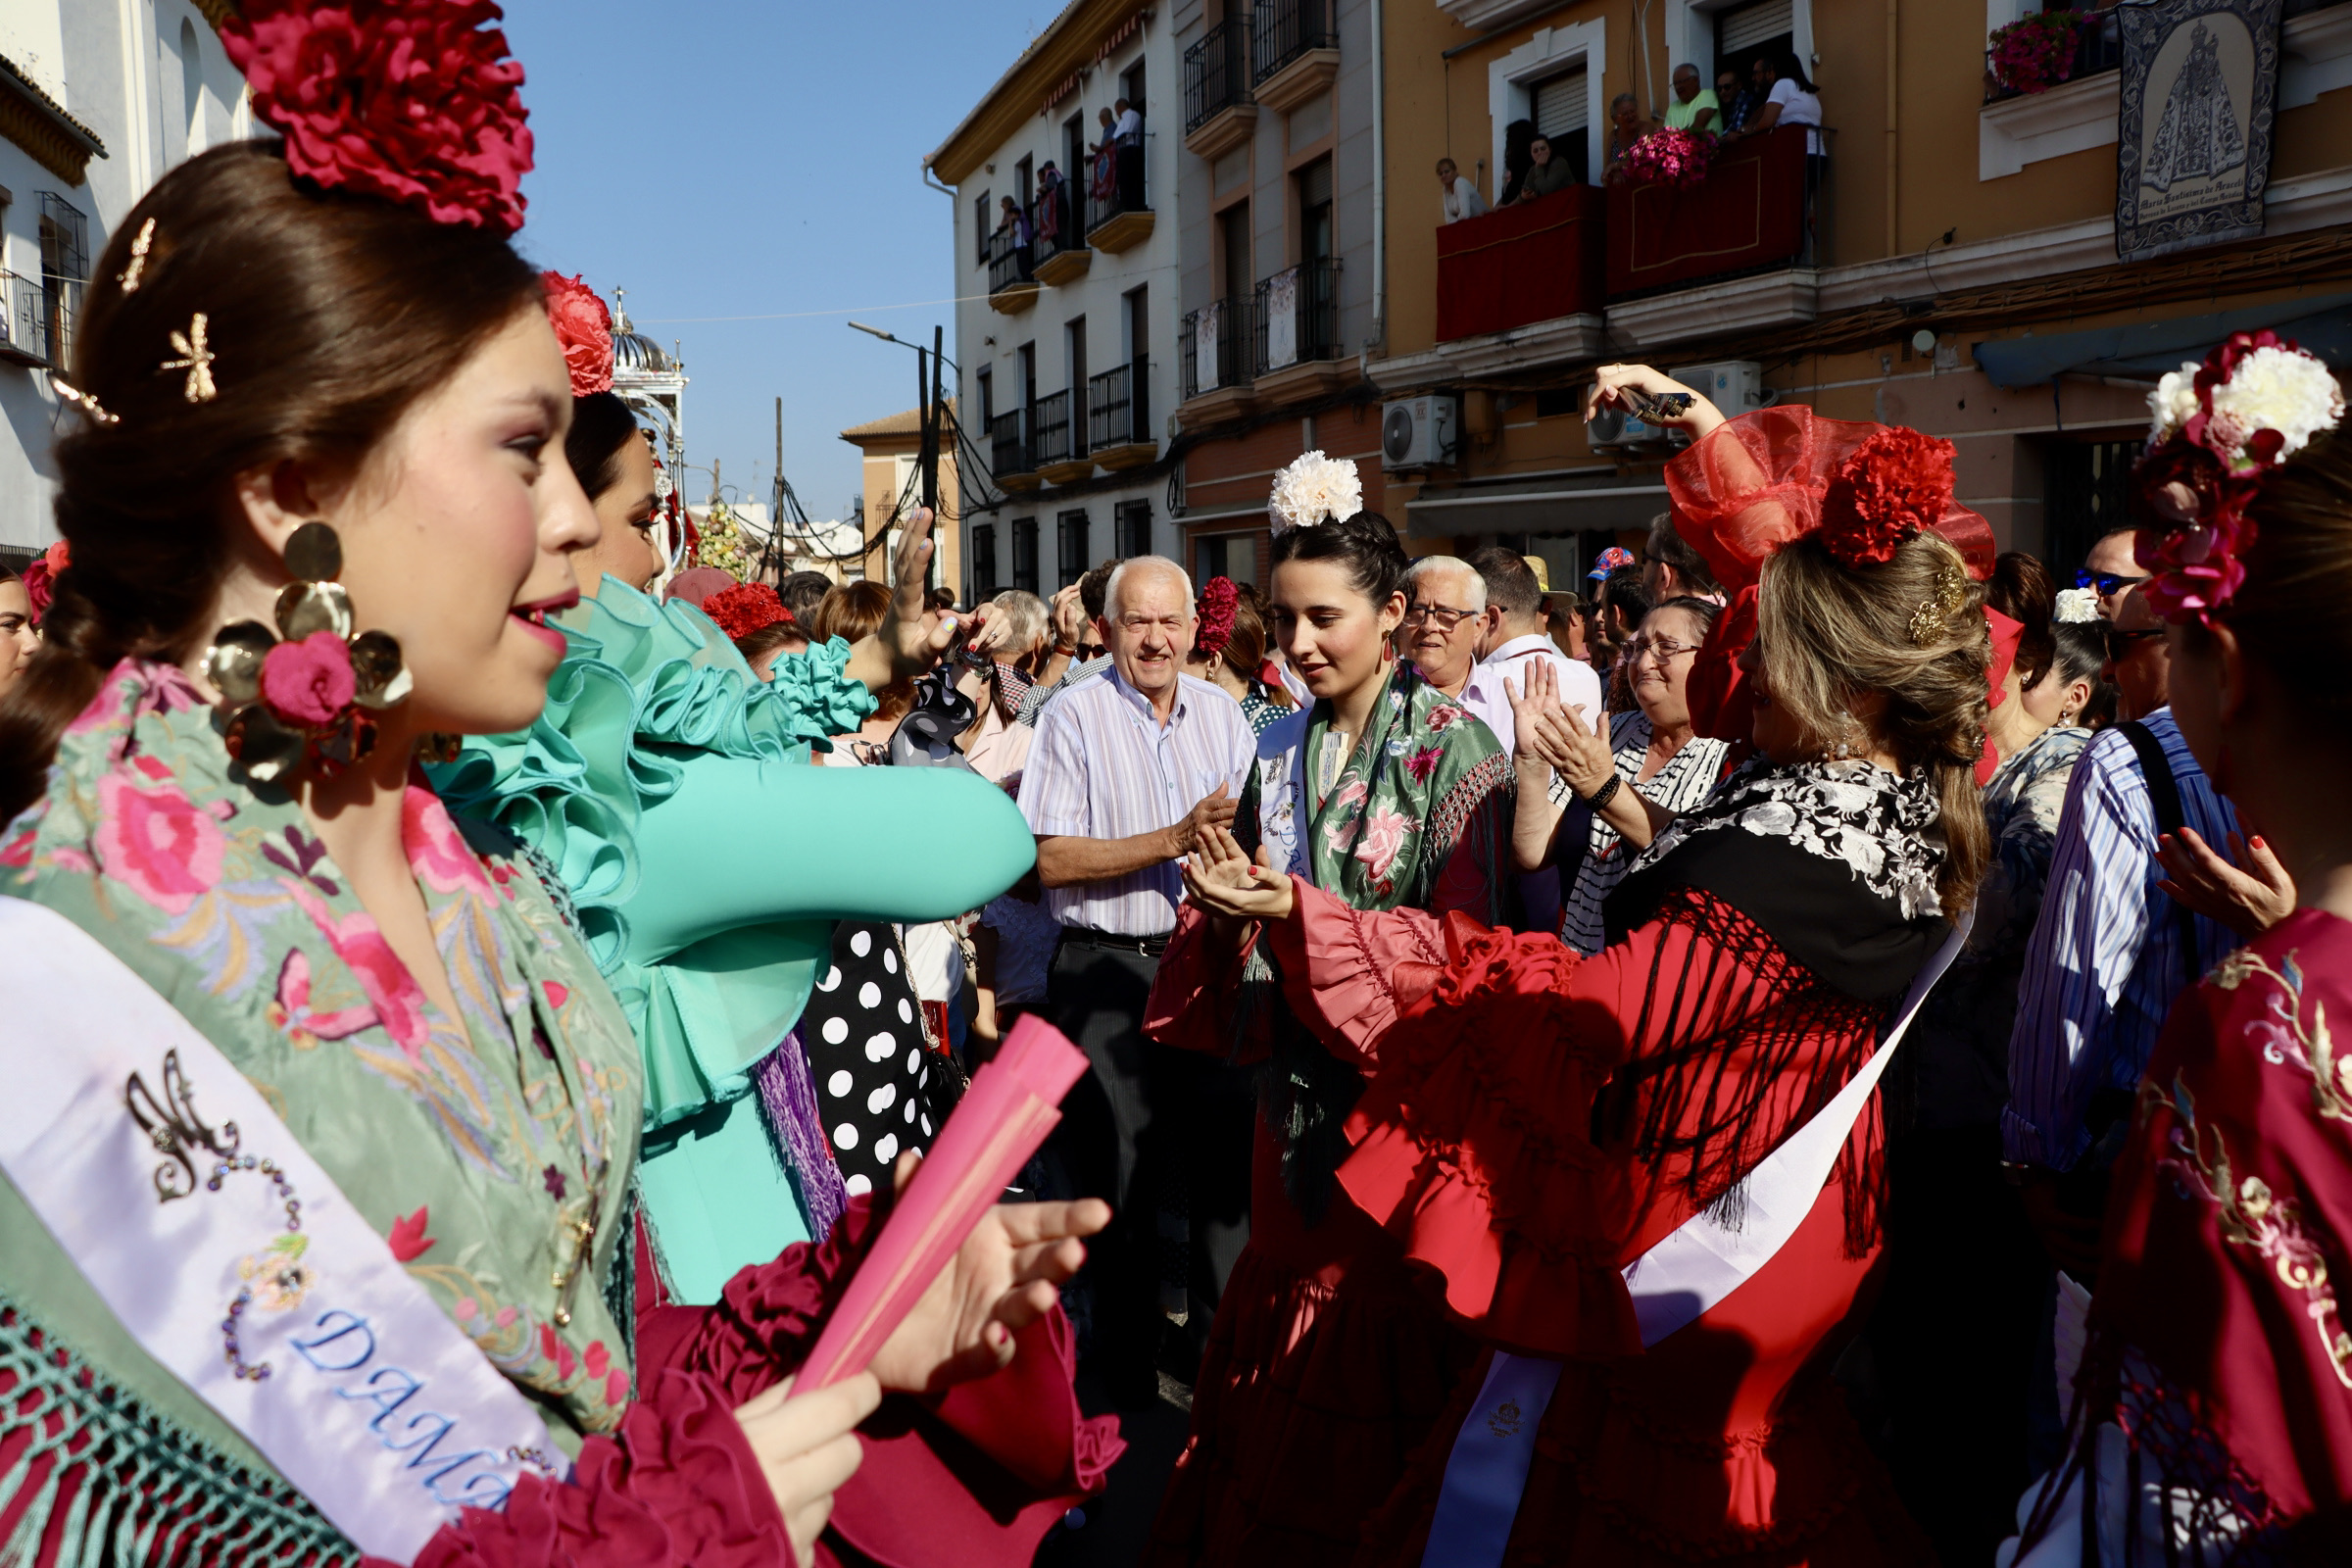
column 1223, row 879
column 1556, row 736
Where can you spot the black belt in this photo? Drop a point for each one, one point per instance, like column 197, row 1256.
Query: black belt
column 1084, row 936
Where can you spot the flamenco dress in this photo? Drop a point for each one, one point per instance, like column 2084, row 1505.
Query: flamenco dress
column 2213, row 1418
column 669, row 788
column 493, row 1150
column 1325, row 1365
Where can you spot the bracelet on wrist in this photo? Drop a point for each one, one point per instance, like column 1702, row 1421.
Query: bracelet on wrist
column 1602, row 796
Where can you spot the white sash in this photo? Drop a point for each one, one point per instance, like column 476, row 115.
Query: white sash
column 229, row 1255
column 1673, row 1285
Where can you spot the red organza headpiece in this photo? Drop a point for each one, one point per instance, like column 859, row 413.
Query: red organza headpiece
column 584, row 327
column 1760, row 480
column 409, row 100
column 1218, row 597
column 745, row 608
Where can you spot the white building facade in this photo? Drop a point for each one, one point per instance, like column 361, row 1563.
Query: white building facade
column 1066, row 325
column 97, row 99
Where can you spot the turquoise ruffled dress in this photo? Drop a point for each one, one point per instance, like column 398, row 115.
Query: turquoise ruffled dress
column 670, row 787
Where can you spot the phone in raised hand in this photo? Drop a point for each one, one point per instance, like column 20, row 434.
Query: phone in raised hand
column 1654, row 409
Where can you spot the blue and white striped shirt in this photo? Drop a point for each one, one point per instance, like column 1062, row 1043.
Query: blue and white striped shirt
column 1105, row 768
column 2105, row 962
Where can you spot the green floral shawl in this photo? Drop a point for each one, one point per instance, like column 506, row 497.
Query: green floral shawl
column 481, row 1147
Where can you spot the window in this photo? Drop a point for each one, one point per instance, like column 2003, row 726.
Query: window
column 1024, row 554
column 1233, row 266
column 985, row 391
column 1021, row 191
column 1226, row 554
column 1314, row 210
column 1069, row 529
column 1136, row 323
column 1133, row 522
column 2083, row 486
column 1743, row 32
column 1073, row 352
column 983, row 222
column 1026, row 356
column 1561, row 116
column 65, row 264
column 984, row 560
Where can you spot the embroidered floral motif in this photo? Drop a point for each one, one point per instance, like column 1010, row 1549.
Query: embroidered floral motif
column 2252, row 1215
column 291, row 1011
column 407, row 1237
column 1383, row 839
column 2281, row 1035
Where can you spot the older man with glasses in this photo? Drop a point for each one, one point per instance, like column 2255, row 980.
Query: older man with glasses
column 1445, row 603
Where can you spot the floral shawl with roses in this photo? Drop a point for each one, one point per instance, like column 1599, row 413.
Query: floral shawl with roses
column 1427, row 782
column 481, row 1147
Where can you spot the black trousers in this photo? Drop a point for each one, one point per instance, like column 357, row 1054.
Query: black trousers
column 1164, row 1137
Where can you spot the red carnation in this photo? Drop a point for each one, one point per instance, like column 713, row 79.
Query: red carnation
column 408, row 100
column 584, row 327
column 744, row 609
column 1892, row 486
column 1218, row 597
column 41, row 575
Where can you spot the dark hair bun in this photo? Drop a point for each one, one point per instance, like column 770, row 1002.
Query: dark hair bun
column 1366, row 543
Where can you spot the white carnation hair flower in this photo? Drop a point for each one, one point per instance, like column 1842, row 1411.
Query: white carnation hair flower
column 2173, row 403
column 2075, row 605
column 2286, row 390
column 1314, row 489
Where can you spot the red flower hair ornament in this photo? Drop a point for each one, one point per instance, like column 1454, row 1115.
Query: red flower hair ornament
column 745, row 608
column 1894, row 484
column 1218, row 597
column 2220, row 428
column 40, row 577
column 409, row 100
column 584, row 327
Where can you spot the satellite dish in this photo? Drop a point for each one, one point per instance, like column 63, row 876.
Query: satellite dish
column 1923, row 341
column 1397, row 433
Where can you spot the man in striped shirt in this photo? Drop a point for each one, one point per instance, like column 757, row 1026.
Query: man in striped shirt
column 1127, row 769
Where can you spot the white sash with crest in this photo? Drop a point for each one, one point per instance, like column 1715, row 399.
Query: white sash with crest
column 228, row 1253
column 1673, row 1285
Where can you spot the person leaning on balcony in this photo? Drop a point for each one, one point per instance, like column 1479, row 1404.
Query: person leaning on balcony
column 1127, row 133
column 1462, row 199
column 1790, row 99
column 1548, row 173
column 1738, row 103
column 1624, row 129
column 1695, row 108
column 1015, row 223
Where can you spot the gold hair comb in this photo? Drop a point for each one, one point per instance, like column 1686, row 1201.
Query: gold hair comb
column 1928, row 620
column 68, row 392
column 195, row 358
column 130, row 278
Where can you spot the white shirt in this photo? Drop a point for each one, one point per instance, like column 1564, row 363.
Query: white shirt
column 1130, row 126
column 1485, row 696
column 1797, row 107
column 1462, row 200
column 1103, row 766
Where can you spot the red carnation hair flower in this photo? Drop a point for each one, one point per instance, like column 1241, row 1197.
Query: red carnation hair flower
column 744, row 609
column 1218, row 596
column 584, row 327
column 1894, row 484
column 409, row 100
column 41, row 577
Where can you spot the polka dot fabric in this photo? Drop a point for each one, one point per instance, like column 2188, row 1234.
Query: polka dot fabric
column 866, row 1055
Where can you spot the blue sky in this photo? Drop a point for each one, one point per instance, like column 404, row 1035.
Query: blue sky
column 733, row 158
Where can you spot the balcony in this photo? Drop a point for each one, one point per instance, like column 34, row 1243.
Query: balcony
column 2098, row 46
column 1750, row 232
column 1530, row 261
column 1295, row 52
column 1011, row 284
column 1060, row 447
column 1058, row 217
column 1008, row 454
column 1118, row 424
column 1218, row 343
column 1299, row 330
column 36, row 324
column 1120, row 218
column 1218, row 114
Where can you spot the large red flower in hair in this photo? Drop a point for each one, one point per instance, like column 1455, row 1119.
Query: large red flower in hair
column 409, row 100
column 744, row 609
column 1218, row 597
column 584, row 327
column 1890, row 488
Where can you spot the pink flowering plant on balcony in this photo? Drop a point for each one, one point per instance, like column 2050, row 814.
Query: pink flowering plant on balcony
column 1670, row 157
column 2036, row 52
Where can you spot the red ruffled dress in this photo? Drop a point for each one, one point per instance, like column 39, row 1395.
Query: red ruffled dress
column 1539, row 1122
column 973, row 1479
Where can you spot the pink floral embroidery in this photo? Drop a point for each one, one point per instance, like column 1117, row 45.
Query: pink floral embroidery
column 1424, row 762
column 1385, row 833
column 409, row 1241
column 291, row 1011
column 1442, row 717
column 158, row 843
column 399, row 1002
column 16, row 853
column 617, row 1386
column 557, row 993
column 437, row 851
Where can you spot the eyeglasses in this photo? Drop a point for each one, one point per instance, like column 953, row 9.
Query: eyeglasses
column 2109, row 583
column 1664, row 649
column 1446, row 619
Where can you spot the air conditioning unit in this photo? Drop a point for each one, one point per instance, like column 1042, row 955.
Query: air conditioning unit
column 1418, row 432
column 1736, row 386
column 1615, row 430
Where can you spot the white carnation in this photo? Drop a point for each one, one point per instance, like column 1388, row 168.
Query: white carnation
column 1314, row 489
column 2077, row 606
column 2174, row 401
column 2281, row 389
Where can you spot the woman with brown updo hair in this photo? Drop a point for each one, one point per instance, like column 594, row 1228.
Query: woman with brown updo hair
column 1579, row 1147
column 319, row 517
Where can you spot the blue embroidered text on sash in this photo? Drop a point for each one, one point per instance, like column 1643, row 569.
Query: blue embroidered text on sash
column 345, row 1343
